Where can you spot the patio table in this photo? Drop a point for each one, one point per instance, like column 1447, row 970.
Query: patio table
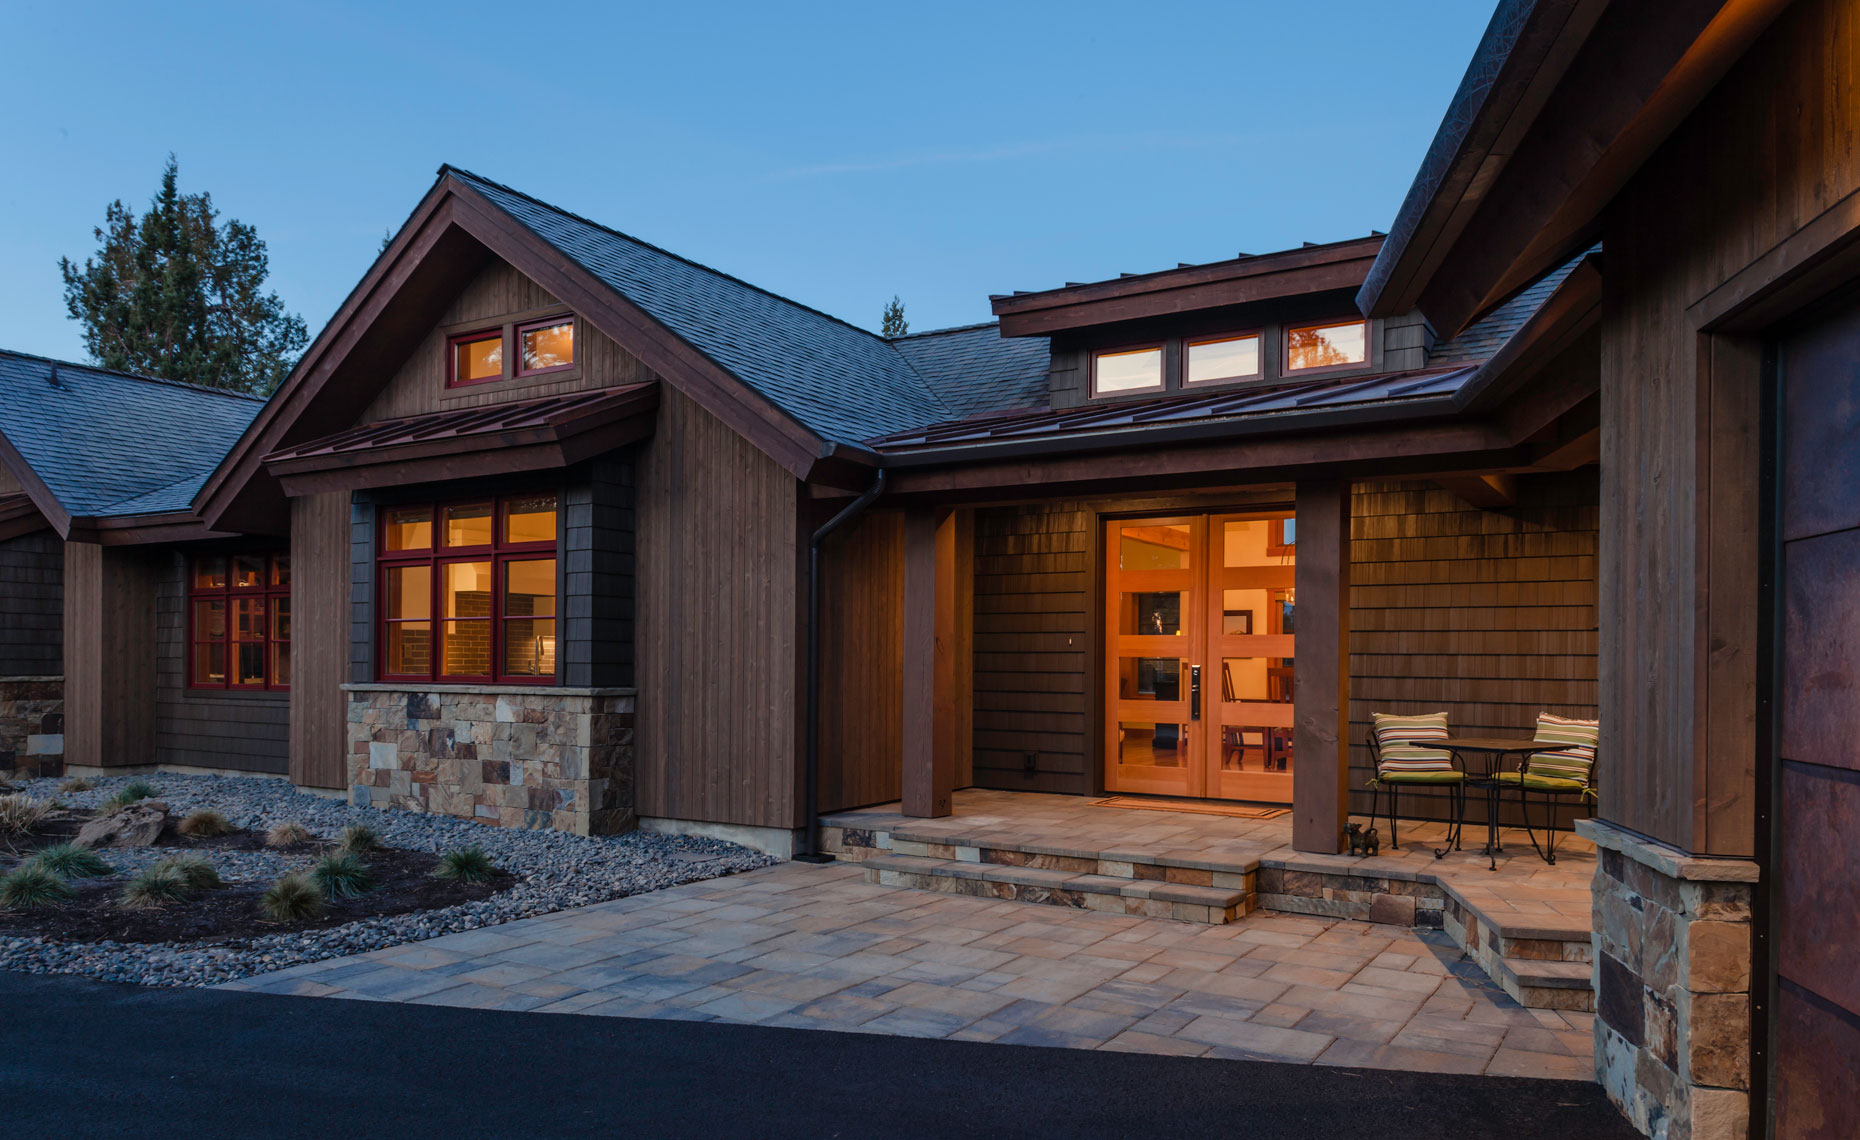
column 1492, row 750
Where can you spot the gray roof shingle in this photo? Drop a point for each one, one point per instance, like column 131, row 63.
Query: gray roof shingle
column 841, row 381
column 975, row 370
column 108, row 443
column 1487, row 335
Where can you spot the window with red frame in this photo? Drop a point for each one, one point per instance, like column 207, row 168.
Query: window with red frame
column 239, row 622
column 467, row 591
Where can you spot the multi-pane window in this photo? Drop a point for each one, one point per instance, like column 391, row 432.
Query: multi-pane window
column 468, row 590
column 1326, row 346
column 527, row 349
column 239, row 621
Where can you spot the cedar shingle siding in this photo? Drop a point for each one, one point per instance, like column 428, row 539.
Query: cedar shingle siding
column 32, row 596
column 244, row 731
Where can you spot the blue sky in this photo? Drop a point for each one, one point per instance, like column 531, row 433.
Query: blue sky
column 834, row 153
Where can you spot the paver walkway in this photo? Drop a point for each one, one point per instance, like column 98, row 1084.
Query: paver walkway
column 818, row 947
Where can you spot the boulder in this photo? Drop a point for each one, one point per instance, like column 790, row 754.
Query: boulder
column 137, row 825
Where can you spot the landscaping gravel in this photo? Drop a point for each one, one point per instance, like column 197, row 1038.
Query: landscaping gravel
column 557, row 871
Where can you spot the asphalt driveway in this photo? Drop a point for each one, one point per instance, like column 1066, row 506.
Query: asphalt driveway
column 83, row 1058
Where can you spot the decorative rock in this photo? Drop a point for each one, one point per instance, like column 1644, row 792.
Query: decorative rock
column 135, row 826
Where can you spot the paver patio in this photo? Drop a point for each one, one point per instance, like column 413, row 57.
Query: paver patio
column 819, row 947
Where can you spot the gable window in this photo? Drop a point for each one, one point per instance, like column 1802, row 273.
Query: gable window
column 468, row 591
column 476, row 358
column 1335, row 345
column 545, row 346
column 1221, row 358
column 239, row 622
column 1127, row 370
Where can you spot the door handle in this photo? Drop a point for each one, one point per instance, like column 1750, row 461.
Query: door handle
column 1194, row 692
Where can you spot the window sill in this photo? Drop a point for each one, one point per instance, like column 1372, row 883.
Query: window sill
column 509, row 690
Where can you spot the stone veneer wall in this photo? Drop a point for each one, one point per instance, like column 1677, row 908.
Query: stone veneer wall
column 515, row 757
column 1672, row 945
column 32, row 725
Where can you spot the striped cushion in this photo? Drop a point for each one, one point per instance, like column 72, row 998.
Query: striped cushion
column 1572, row 752
column 1406, row 743
column 1424, row 731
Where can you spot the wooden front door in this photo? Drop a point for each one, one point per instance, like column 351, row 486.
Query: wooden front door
column 1817, row 788
column 1198, row 655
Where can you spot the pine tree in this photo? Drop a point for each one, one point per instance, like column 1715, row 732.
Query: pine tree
column 895, row 324
column 177, row 295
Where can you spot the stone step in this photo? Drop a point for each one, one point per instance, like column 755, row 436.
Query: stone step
column 1112, row 894
column 1546, row 985
column 1187, row 868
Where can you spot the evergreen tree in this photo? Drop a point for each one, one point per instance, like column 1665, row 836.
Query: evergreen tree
column 895, row 324
column 177, row 295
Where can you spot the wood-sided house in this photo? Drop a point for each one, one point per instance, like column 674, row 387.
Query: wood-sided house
column 544, row 503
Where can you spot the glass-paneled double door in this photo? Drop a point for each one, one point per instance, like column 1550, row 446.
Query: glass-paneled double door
column 1199, row 625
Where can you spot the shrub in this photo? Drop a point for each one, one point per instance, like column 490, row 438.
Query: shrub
column 290, row 834
column 198, row 873
column 465, row 864
column 156, row 885
column 69, row 861
column 205, row 824
column 342, row 875
column 6, row 783
column 20, row 813
column 293, row 898
column 29, row 885
column 358, row 837
column 77, row 784
column 127, row 794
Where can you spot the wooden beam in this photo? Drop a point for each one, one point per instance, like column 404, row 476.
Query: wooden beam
column 1321, row 685
column 929, row 745
column 1487, row 492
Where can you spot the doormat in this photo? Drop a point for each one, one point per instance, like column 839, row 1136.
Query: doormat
column 1194, row 807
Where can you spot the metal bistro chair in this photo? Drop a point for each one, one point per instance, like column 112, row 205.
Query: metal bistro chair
column 1566, row 767
column 1405, row 757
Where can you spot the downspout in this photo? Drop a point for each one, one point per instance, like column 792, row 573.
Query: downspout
column 810, row 841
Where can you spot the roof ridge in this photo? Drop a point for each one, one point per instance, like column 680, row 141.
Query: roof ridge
column 940, row 332
column 184, row 385
column 448, row 168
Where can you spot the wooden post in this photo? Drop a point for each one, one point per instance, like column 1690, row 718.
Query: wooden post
column 929, row 723
column 1321, row 682
column 109, row 647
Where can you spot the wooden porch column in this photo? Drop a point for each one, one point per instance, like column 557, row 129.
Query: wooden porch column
column 109, row 616
column 1321, row 682
column 929, row 721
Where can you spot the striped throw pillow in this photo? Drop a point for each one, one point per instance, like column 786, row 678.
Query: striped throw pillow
column 1571, row 755
column 1407, row 743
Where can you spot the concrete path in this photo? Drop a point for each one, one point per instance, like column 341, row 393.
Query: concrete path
column 86, row 1058
column 819, row 948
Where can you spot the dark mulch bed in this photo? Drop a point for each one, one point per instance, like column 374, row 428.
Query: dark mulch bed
column 404, row 882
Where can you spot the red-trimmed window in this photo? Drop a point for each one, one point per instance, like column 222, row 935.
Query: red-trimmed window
column 547, row 345
column 239, row 622
column 468, row 591
column 475, row 358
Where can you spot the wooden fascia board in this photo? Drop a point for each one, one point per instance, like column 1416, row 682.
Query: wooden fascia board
column 675, row 360
column 29, row 481
column 339, row 337
column 543, row 456
column 20, row 515
column 1532, row 65
column 139, row 530
column 1111, row 301
column 1645, row 68
column 1362, row 249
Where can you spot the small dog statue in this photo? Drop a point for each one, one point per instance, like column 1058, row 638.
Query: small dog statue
column 1362, row 843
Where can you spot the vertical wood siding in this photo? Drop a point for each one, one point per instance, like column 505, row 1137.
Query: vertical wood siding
column 320, row 616
column 240, row 731
column 497, row 292
column 32, row 593
column 109, row 598
column 1033, row 600
column 1489, row 615
column 719, row 625
column 861, row 650
column 1678, row 600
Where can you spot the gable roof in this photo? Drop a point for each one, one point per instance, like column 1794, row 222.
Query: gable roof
column 843, row 382
column 88, row 442
column 974, row 369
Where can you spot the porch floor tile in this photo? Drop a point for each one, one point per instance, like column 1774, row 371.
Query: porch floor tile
column 836, row 953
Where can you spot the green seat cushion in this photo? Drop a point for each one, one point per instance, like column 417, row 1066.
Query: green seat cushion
column 1537, row 783
column 1428, row 777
